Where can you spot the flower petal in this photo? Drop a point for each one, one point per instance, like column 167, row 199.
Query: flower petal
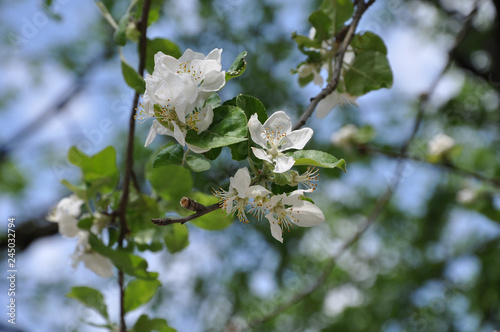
column 276, row 230
column 326, row 105
column 305, row 213
column 297, row 139
column 283, row 163
column 241, row 181
column 261, row 154
column 215, row 55
column 189, row 55
column 280, row 121
column 257, row 191
column 102, row 266
column 178, row 134
column 257, row 132
column 206, row 118
column 214, row 81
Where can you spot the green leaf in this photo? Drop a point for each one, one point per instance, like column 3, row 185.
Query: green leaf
column 212, row 221
column 139, row 292
column 229, row 126
column 305, row 42
column 99, row 171
column 130, row 264
column 90, row 298
column 78, row 190
column 365, row 134
column 173, row 155
column 368, row 41
column 156, row 45
column 339, row 12
column 120, row 35
column 317, row 158
column 212, row 154
column 214, row 101
column 176, row 238
column 145, row 324
column 86, row 223
column 322, row 23
column 277, row 189
column 252, row 105
column 171, row 182
column 369, row 71
column 238, row 67
column 197, row 164
column 133, row 79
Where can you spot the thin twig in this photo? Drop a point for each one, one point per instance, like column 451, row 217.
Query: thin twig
column 332, row 85
column 447, row 165
column 170, row 221
column 129, row 158
column 381, row 203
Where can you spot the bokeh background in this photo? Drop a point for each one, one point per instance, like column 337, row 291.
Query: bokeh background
column 430, row 262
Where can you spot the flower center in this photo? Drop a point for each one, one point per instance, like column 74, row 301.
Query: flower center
column 275, row 138
column 188, row 69
column 194, row 117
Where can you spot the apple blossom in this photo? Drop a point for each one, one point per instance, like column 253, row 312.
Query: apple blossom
column 102, row 266
column 440, row 145
column 239, row 193
column 345, row 136
column 65, row 215
column 332, row 100
column 285, row 211
column 276, row 136
column 307, row 178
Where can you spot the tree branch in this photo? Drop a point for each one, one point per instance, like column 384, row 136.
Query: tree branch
column 332, row 85
column 129, row 158
column 200, row 209
column 388, row 194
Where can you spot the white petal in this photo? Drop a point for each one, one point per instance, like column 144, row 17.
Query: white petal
column 241, row 181
column 196, row 149
column 101, row 265
column 207, row 116
column 257, row 131
column 189, row 55
column 157, row 128
column 297, row 139
column 214, row 81
column 326, row 105
column 68, row 226
column 276, row 230
column 261, row 154
column 283, row 163
column 280, row 121
column 215, row 55
column 71, row 205
column 318, row 79
column 151, row 135
column 306, row 213
column 179, row 135
column 257, row 191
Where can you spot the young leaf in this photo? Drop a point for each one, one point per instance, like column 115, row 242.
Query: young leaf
column 156, row 45
column 173, row 155
column 369, row 71
column 120, row 35
column 238, row 67
column 171, row 182
column 132, row 78
column 130, row 264
column 322, row 23
column 339, row 12
column 252, row 105
column 229, row 126
column 139, row 292
column 368, row 41
column 89, row 297
column 145, row 324
column 317, row 158
column 176, row 238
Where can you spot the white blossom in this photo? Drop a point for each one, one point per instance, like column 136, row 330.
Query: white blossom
column 333, row 100
column 179, row 89
column 345, row 135
column 466, row 196
column 65, row 215
column 102, row 266
column 440, row 145
column 276, row 136
column 285, row 211
column 240, row 191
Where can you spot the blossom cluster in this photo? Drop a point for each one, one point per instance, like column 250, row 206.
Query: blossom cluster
column 176, row 94
column 285, row 210
column 66, row 216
